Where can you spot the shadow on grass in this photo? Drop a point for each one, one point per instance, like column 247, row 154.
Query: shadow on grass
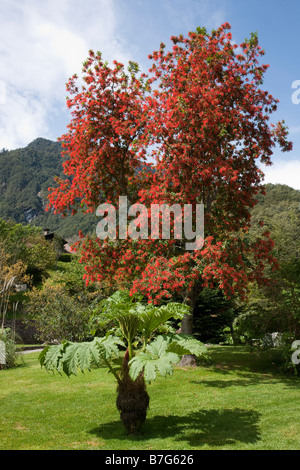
column 243, row 382
column 254, row 366
column 250, row 380
column 204, row 427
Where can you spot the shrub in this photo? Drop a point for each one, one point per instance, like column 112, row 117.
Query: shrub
column 9, row 339
column 212, row 314
column 280, row 356
column 56, row 315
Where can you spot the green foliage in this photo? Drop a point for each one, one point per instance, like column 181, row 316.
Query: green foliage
column 137, row 318
column 152, row 317
column 8, row 336
column 281, row 356
column 56, row 315
column 212, row 313
column 253, row 40
column 70, row 357
column 275, row 306
column 155, row 358
column 161, row 355
column 185, row 344
column 65, row 257
column 70, row 276
column 202, row 31
column 26, row 174
column 279, row 211
column 28, row 245
column 132, row 318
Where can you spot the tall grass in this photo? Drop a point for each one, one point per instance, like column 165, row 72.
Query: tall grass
column 7, row 335
column 4, row 299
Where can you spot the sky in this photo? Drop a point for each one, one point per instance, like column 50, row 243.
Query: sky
column 43, row 43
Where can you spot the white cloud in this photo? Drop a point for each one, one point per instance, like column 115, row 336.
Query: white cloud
column 287, row 172
column 41, row 45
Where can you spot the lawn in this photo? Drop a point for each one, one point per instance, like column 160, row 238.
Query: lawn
column 230, row 403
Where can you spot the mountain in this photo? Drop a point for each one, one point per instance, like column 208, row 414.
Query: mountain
column 26, row 173
column 279, row 209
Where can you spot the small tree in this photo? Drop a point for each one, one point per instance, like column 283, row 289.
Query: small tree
column 26, row 245
column 145, row 355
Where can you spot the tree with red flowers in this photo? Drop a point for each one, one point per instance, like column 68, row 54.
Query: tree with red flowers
column 206, row 127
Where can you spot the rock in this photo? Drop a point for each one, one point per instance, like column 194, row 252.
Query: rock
column 188, row 360
column 30, row 214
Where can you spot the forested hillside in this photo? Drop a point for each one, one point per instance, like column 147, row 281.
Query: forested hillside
column 25, row 176
column 279, row 209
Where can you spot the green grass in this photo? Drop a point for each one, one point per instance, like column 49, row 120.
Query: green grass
column 231, row 403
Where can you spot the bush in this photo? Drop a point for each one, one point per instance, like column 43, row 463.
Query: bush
column 65, row 257
column 281, row 356
column 56, row 315
column 9, row 339
column 212, row 314
column 275, row 353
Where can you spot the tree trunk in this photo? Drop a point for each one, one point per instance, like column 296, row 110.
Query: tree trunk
column 187, row 326
column 132, row 399
column 188, row 360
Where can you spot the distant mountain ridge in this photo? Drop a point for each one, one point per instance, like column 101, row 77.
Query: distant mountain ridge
column 25, row 175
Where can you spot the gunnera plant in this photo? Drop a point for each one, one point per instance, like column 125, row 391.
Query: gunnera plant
column 146, row 353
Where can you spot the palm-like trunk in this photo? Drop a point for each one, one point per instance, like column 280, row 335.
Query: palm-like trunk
column 132, row 399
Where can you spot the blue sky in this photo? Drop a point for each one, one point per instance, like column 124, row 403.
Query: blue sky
column 43, row 43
